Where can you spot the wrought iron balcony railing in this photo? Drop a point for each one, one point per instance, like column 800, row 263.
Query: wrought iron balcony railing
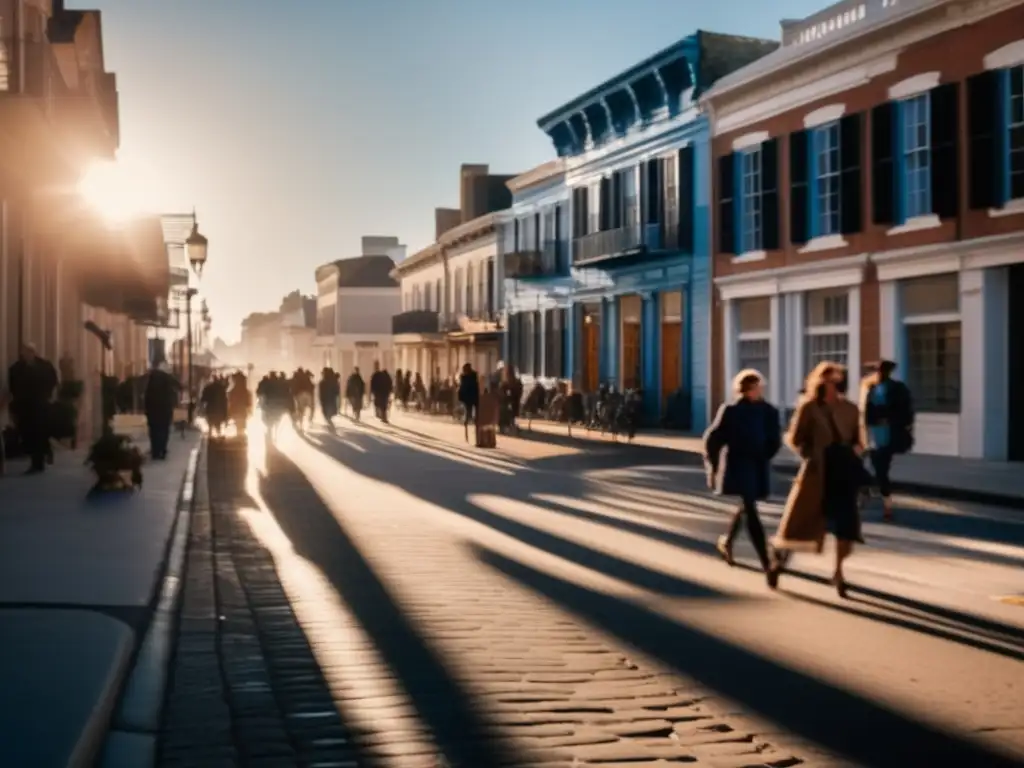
column 602, row 245
column 416, row 321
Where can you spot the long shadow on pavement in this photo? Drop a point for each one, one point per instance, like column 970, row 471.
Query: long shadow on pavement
column 296, row 682
column 840, row 721
column 464, row 737
column 827, row 715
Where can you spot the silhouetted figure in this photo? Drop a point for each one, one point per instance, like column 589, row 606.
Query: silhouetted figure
column 380, row 390
column 161, row 396
column 32, row 381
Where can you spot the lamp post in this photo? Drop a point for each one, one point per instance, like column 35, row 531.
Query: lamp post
column 195, row 248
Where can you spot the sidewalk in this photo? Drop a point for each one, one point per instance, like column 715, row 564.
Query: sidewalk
column 982, row 482
column 78, row 578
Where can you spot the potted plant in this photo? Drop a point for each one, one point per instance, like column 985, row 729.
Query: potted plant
column 116, row 461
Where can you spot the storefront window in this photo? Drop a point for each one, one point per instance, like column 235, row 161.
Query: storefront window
column 827, row 333
column 931, row 317
column 754, row 325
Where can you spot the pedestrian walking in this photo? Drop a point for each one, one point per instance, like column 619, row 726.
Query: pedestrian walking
column 887, row 413
column 355, row 392
column 381, row 387
column 162, row 393
column 749, row 435
column 469, row 396
column 825, row 433
column 32, row 382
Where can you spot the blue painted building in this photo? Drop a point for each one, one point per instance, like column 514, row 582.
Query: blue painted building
column 636, row 154
column 534, row 250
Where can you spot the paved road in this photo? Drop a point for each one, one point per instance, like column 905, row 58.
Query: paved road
column 379, row 597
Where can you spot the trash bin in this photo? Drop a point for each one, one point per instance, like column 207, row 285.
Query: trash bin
column 487, row 421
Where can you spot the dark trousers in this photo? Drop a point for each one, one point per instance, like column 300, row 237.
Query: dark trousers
column 34, row 433
column 748, row 509
column 881, row 463
column 159, row 435
column 471, row 409
column 380, row 404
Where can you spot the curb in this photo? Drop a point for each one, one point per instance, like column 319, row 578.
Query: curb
column 947, row 493
column 131, row 740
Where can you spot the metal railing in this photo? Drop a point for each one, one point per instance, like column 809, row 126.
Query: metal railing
column 604, row 244
column 416, row 321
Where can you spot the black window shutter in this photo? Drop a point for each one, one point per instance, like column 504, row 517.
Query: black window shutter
column 537, row 341
column 799, row 226
column 985, row 172
column 605, row 196
column 851, row 215
column 770, row 195
column 616, row 200
column 726, row 204
column 685, row 183
column 653, row 191
column 945, row 102
column 883, row 177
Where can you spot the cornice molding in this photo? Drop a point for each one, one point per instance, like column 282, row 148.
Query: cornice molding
column 850, row 63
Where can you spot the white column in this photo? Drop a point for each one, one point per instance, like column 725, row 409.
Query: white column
column 775, row 353
column 984, row 381
column 729, row 362
column 796, row 349
column 890, row 336
column 853, row 362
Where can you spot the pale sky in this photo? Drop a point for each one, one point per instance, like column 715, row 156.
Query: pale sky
column 294, row 127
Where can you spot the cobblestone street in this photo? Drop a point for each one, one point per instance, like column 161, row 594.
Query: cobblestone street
column 330, row 619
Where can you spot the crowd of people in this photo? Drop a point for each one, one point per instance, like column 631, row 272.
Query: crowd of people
column 832, row 435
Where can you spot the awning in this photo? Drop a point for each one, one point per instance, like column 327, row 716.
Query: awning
column 121, row 268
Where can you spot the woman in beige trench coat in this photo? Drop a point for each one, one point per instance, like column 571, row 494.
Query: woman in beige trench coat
column 824, row 417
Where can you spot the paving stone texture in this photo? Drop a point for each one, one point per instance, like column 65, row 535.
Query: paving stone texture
column 279, row 663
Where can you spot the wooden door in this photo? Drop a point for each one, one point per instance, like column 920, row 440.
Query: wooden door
column 631, row 374
column 671, row 358
column 591, row 356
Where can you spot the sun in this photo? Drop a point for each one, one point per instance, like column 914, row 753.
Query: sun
column 116, row 191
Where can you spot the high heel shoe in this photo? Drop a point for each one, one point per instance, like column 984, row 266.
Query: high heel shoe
column 840, row 584
column 724, row 548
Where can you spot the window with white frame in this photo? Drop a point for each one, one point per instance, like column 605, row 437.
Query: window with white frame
column 917, row 192
column 751, row 221
column 754, row 334
column 1015, row 140
column 827, row 178
column 826, row 327
column 931, row 324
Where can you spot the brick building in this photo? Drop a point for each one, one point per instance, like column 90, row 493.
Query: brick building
column 869, row 189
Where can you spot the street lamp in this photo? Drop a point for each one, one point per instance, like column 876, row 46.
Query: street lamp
column 195, row 248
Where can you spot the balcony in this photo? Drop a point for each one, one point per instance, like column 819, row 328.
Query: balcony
column 416, row 321
column 605, row 246
column 523, row 264
column 547, row 262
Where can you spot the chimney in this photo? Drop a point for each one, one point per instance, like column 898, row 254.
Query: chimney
column 469, row 202
column 445, row 219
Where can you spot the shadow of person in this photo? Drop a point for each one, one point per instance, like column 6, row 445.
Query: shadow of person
column 461, row 732
column 842, row 722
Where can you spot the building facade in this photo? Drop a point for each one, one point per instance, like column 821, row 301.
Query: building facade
column 60, row 265
column 533, row 249
column 356, row 299
column 637, row 152
column 870, row 204
column 450, row 299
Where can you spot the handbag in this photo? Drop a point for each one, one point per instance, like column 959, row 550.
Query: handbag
column 844, row 469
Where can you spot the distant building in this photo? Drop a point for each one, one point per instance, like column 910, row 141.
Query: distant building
column 356, row 299
column 451, row 290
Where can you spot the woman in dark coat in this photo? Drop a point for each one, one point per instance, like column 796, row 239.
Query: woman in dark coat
column 748, row 432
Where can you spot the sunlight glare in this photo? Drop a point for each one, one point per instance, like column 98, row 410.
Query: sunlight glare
column 118, row 191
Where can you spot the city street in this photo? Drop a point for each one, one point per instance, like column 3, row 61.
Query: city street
column 390, row 596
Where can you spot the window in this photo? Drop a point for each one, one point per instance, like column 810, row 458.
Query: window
column 826, row 332
column 754, row 325
column 1015, row 140
column 916, row 156
column 931, row 318
column 470, row 304
column 750, row 222
column 827, row 179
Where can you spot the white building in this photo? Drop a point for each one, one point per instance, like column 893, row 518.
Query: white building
column 356, row 299
column 451, row 292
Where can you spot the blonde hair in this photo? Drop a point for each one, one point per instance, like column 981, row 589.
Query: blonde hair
column 817, row 377
column 745, row 375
